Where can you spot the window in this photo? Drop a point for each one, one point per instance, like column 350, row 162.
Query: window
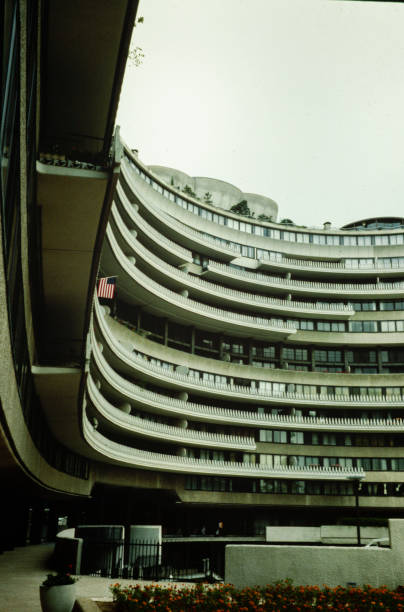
column 280, row 437
column 265, row 435
column 296, row 437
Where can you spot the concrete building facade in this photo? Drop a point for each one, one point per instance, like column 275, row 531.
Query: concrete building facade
column 247, row 372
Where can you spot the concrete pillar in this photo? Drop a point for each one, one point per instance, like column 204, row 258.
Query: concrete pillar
column 192, row 340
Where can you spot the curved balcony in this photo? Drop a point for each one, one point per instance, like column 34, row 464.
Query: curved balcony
column 161, row 244
column 132, row 364
column 152, row 430
column 160, row 185
column 163, row 301
column 262, row 282
column 176, row 408
column 206, row 290
column 215, row 247
column 149, row 460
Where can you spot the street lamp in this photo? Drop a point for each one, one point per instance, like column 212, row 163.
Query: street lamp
column 356, row 480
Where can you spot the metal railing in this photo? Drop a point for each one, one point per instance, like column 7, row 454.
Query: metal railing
column 152, row 560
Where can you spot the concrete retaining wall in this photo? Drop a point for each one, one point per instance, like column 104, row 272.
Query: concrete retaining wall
column 249, row 565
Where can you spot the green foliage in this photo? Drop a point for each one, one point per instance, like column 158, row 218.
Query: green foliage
column 207, row 198
column 241, row 209
column 59, row 579
column 189, row 191
column 136, row 54
column 263, row 217
column 287, row 222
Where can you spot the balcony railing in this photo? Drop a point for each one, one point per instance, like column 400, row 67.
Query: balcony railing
column 270, row 325
column 169, row 433
column 177, row 408
column 172, row 463
column 278, row 259
column 292, row 284
column 185, row 382
column 225, row 292
column 149, row 230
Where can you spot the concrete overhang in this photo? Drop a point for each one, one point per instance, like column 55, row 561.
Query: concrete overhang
column 58, row 389
column 85, row 47
column 71, row 204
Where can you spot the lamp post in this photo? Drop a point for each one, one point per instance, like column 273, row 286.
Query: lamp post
column 356, row 480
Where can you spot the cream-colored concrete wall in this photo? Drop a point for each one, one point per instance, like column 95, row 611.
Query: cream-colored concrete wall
column 249, row 565
column 224, row 195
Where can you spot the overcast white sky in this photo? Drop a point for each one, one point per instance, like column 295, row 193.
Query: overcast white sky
column 298, row 100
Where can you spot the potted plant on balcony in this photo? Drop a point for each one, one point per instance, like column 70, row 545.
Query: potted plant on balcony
column 58, row 592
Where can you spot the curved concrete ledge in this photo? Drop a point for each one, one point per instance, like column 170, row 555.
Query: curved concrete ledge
column 132, row 363
column 169, row 463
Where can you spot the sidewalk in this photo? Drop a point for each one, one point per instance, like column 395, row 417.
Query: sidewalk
column 23, row 569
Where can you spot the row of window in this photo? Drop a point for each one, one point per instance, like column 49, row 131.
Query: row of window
column 292, row 487
column 327, row 438
column 253, row 352
column 363, row 263
column 368, row 464
column 376, row 305
column 277, row 388
column 259, row 230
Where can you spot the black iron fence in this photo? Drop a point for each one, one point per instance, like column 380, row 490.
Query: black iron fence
column 150, row 560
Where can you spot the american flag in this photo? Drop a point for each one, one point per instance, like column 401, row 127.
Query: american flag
column 106, row 287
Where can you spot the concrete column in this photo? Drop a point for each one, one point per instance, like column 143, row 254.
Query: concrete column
column 313, row 361
column 192, row 340
column 250, row 355
column 379, row 360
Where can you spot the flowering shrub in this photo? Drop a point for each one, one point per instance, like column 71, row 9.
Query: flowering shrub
column 281, row 597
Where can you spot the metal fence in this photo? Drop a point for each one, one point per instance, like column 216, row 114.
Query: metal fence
column 150, row 560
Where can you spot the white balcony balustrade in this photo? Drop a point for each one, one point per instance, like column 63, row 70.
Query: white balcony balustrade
column 154, row 372
column 155, row 430
column 178, row 408
column 197, row 311
column 137, row 458
column 226, row 294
